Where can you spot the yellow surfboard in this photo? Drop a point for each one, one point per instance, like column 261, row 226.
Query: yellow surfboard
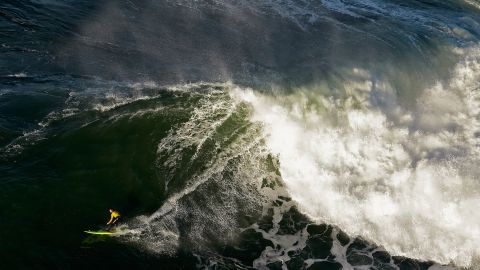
column 100, row 232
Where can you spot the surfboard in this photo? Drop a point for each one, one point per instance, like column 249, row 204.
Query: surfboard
column 100, row 232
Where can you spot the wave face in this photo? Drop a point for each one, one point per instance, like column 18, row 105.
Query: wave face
column 265, row 134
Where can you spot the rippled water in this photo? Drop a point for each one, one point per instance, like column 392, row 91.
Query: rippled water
column 240, row 134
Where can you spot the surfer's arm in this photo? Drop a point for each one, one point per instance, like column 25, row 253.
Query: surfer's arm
column 110, row 221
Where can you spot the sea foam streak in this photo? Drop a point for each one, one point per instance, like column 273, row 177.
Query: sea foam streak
column 404, row 178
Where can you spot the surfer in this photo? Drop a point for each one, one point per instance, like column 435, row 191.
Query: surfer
column 114, row 216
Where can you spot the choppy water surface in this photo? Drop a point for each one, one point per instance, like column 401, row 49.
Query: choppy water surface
column 240, row 134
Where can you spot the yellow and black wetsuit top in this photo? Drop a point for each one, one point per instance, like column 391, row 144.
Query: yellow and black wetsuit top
column 113, row 217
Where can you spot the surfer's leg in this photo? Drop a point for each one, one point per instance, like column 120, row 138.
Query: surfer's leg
column 112, row 225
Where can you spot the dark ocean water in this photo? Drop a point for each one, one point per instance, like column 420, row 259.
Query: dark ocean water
column 245, row 134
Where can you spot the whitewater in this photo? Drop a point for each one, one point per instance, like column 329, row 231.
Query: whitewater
column 405, row 178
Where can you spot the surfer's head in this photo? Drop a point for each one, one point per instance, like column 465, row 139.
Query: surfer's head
column 110, row 210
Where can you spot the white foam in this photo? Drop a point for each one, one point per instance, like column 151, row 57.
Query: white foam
column 406, row 179
column 18, row 75
column 473, row 3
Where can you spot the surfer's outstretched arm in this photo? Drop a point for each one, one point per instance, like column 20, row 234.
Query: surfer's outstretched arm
column 110, row 221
